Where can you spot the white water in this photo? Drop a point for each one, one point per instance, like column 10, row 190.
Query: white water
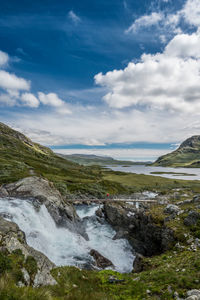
column 62, row 246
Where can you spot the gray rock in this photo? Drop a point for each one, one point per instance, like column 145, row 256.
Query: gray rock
column 192, row 218
column 44, row 191
column 171, row 209
column 12, row 239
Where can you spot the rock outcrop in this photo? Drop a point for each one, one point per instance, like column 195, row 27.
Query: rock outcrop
column 138, row 227
column 11, row 239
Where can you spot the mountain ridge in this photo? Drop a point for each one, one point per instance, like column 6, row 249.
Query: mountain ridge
column 187, row 155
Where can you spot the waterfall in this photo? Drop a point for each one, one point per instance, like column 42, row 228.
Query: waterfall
column 61, row 246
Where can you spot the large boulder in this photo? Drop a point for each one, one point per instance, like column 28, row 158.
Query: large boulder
column 11, row 239
column 40, row 189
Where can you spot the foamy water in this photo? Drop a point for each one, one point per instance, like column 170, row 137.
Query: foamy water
column 62, row 246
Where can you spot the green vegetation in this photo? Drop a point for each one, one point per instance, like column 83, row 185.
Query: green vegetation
column 187, row 155
column 176, row 270
column 140, row 182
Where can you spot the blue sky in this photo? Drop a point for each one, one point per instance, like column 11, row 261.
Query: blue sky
column 101, row 75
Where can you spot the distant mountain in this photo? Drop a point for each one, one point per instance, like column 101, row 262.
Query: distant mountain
column 187, row 155
column 88, row 160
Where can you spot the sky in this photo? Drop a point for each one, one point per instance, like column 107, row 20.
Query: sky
column 118, row 77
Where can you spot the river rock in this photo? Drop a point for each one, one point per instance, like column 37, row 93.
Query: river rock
column 192, row 218
column 144, row 236
column 12, row 238
column 101, row 261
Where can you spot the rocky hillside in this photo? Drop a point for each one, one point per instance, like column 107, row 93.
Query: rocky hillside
column 187, row 155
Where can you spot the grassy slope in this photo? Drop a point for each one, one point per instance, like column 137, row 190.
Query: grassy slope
column 20, row 157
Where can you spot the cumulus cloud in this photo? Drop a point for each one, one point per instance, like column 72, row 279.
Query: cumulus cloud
column 75, row 19
column 168, row 80
column 3, row 58
column 30, row 100
column 191, row 12
column 52, row 99
column 14, row 88
column 12, row 82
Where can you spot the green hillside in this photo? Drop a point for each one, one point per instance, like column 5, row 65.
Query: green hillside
column 187, row 155
column 20, row 157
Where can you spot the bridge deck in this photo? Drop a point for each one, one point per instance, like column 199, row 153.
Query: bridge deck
column 110, row 200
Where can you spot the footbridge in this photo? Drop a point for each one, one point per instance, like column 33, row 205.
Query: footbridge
column 103, row 201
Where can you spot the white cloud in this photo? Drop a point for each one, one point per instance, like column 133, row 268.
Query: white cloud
column 184, row 45
column 145, row 21
column 30, row 100
column 12, row 82
column 52, row 99
column 170, row 80
column 191, row 12
column 76, row 19
column 3, row 58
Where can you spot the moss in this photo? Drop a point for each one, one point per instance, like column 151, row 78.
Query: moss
column 31, row 267
column 5, row 263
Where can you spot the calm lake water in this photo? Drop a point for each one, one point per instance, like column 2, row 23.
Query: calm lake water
column 142, row 169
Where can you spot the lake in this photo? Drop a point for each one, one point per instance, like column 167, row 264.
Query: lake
column 147, row 170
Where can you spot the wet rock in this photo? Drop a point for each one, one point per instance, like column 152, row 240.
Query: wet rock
column 13, row 239
column 171, row 209
column 120, row 235
column 138, row 263
column 101, row 261
column 3, row 192
column 144, row 236
column 99, row 213
column 192, row 218
column 113, row 279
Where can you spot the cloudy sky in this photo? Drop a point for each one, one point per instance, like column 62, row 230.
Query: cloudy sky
column 117, row 77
